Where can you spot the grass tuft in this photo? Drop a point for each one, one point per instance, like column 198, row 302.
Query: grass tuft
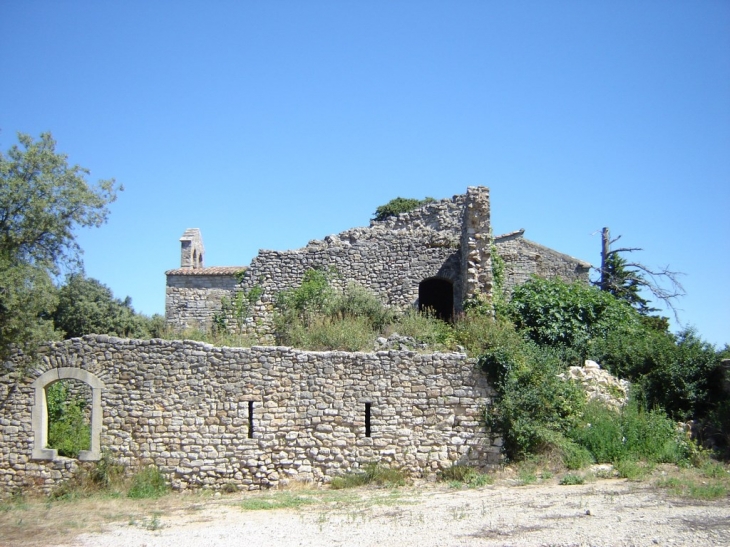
column 371, row 474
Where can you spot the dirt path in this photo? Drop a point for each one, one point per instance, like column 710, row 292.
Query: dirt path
column 602, row 513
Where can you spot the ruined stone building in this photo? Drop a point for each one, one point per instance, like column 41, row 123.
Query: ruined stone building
column 436, row 256
column 262, row 416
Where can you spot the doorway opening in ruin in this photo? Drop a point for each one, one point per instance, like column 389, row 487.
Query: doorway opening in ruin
column 437, row 295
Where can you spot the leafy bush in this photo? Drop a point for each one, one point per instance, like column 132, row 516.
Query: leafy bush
column 87, row 306
column 399, row 205
column 148, row 482
column 552, row 312
column 357, row 302
column 679, row 373
column 534, row 408
column 571, row 479
column 575, row 456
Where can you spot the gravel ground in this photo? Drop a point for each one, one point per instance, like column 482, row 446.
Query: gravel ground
column 602, row 513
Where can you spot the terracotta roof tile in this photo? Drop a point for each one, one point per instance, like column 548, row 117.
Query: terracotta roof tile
column 213, row 270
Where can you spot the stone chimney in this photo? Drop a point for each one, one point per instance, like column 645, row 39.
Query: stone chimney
column 191, row 249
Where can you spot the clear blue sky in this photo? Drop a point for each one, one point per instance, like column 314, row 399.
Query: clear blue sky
column 267, row 124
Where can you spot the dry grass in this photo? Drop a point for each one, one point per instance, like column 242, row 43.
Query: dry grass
column 37, row 521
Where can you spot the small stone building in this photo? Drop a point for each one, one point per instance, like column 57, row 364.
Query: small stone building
column 436, row 256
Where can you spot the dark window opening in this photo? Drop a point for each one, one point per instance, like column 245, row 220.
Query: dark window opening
column 437, row 295
column 250, row 419
column 367, row 419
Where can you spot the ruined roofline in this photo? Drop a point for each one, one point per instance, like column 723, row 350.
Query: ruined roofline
column 212, row 270
column 519, row 234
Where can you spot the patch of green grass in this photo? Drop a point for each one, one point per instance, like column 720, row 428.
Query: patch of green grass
column 527, row 476
column 714, row 470
column 710, row 482
column 280, row 500
column 371, row 474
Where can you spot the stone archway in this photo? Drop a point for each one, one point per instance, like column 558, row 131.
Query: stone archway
column 437, row 294
column 39, row 415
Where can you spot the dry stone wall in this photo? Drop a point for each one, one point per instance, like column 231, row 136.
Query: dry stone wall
column 390, row 258
column 192, row 300
column 524, row 258
column 254, row 417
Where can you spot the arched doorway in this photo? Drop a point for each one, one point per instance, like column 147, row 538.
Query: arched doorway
column 437, row 294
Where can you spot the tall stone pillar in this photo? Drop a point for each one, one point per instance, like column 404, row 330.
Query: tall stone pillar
column 476, row 251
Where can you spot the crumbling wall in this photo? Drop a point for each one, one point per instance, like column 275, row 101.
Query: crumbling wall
column 188, row 407
column 390, row 258
column 524, row 258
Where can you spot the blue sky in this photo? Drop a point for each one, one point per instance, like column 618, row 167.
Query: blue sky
column 267, row 124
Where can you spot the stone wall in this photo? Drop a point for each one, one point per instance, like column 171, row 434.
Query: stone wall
column 389, row 258
column 253, row 417
column 194, row 296
column 524, row 258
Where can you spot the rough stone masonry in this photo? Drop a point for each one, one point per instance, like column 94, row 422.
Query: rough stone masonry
column 251, row 417
column 438, row 255
column 261, row 416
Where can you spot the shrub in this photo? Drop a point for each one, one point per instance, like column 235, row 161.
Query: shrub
column 425, row 328
column 348, row 334
column 465, row 474
column 357, row 302
column 629, row 435
column 571, row 479
column 575, row 456
column 397, row 206
column 371, row 474
column 552, row 312
column 148, row 482
column 534, row 408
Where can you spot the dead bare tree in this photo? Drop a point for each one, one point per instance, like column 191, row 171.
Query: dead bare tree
column 625, row 279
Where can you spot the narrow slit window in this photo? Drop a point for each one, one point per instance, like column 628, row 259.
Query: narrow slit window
column 367, row 419
column 250, row 419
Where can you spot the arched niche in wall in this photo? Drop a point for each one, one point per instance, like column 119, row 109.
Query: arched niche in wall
column 437, row 294
column 39, row 415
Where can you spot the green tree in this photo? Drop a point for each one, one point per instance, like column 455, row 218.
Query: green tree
column 625, row 280
column 397, row 206
column 86, row 306
column 43, row 200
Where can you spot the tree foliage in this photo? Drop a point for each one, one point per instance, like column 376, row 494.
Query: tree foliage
column 86, row 306
column 43, row 200
column 397, row 206
column 552, row 312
